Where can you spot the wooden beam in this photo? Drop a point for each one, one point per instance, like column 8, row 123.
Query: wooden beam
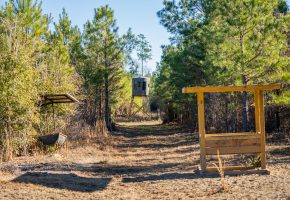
column 57, row 99
column 234, row 150
column 230, row 136
column 239, row 172
column 229, row 168
column 257, row 115
column 262, row 127
column 187, row 90
column 201, row 129
column 232, row 142
column 257, row 111
column 72, row 98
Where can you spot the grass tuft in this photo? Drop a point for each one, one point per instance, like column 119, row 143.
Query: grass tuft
column 224, row 187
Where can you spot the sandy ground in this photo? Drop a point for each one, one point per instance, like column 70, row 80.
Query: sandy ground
column 148, row 161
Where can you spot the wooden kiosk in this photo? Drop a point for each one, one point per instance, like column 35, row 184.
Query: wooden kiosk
column 233, row 143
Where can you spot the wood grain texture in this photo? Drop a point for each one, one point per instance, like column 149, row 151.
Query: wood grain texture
column 232, row 142
column 201, row 129
column 230, row 136
column 262, row 127
column 187, row 90
column 233, row 150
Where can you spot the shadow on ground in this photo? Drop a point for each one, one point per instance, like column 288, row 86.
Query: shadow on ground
column 167, row 176
column 189, row 176
column 70, row 182
column 104, row 169
column 152, row 164
column 285, row 151
column 155, row 137
column 149, row 130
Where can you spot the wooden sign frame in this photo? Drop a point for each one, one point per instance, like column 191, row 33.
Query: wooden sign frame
column 232, row 143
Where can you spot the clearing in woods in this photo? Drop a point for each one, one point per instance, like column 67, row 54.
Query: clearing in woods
column 147, row 161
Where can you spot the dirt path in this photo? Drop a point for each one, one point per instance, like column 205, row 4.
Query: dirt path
column 148, row 161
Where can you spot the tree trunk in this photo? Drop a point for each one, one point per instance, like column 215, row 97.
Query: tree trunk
column 107, row 95
column 7, row 150
column 244, row 107
column 236, row 114
column 94, row 114
column 244, row 94
column 100, row 109
column 226, row 114
column 170, row 114
column 107, row 104
column 277, row 115
column 142, row 68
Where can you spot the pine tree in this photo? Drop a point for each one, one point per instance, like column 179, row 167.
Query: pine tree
column 143, row 49
column 206, row 48
column 33, row 62
column 19, row 38
column 245, row 41
column 105, row 60
column 183, row 62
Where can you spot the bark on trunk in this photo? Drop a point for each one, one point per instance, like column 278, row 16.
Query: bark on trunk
column 107, row 96
column 100, row 109
column 226, row 114
column 244, row 94
column 170, row 114
column 244, row 107
column 277, row 115
column 7, row 150
column 107, row 104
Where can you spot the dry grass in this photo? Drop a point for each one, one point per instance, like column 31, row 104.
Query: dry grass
column 8, row 168
column 224, row 186
column 146, row 161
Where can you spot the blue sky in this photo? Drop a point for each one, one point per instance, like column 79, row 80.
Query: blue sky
column 140, row 15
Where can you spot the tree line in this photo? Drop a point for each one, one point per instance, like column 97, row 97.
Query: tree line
column 220, row 42
column 40, row 57
column 213, row 42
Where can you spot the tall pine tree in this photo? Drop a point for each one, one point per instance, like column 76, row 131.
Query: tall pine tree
column 245, row 41
column 105, row 61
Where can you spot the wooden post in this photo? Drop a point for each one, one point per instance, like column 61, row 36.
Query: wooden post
column 201, row 129
column 258, row 116
column 47, row 126
column 131, row 106
column 257, row 111
column 262, row 127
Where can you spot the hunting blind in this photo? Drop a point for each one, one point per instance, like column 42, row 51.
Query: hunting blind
column 140, row 89
column 140, row 86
